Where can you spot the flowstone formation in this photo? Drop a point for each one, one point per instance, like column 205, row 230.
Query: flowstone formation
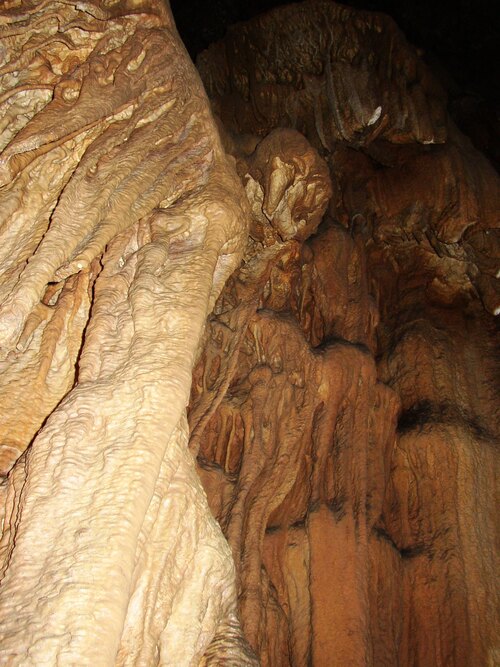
column 285, row 293
column 345, row 410
column 121, row 219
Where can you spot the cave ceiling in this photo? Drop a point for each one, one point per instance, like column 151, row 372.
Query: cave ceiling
column 463, row 34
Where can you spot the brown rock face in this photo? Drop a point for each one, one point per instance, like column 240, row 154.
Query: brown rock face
column 349, row 451
column 315, row 272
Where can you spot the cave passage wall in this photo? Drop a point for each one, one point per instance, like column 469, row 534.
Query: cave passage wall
column 353, row 453
column 248, row 349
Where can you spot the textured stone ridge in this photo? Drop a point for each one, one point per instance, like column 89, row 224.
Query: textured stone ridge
column 121, row 220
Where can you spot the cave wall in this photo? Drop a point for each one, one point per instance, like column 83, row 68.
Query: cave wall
column 307, row 261
column 352, row 456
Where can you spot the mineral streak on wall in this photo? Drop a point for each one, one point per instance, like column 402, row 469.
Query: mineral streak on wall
column 309, row 259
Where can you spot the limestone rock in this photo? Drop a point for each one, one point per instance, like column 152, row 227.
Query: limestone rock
column 121, row 220
column 352, row 450
column 248, row 362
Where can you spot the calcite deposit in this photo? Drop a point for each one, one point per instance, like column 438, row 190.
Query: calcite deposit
column 352, row 456
column 248, row 351
column 121, row 220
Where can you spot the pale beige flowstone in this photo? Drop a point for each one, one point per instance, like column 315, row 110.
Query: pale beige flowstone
column 122, row 219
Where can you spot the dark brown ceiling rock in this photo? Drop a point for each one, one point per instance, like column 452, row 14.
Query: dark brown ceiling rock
column 320, row 37
column 333, row 73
